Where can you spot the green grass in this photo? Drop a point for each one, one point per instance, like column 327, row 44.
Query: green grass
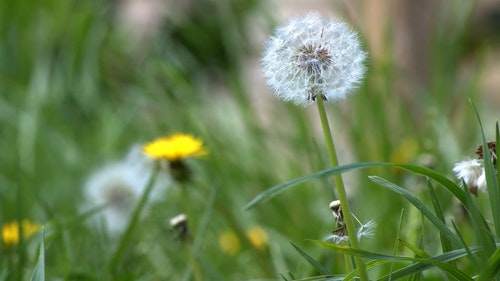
column 77, row 93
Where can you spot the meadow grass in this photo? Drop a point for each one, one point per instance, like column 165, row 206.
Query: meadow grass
column 78, row 92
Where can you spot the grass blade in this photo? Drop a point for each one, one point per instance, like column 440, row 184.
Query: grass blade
column 445, row 243
column 419, row 265
column 482, row 231
column 312, row 261
column 470, row 255
column 420, row 206
column 277, row 189
column 491, row 178
column 417, row 251
column 39, row 271
column 492, row 267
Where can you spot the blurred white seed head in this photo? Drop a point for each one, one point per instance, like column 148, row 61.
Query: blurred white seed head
column 313, row 57
column 117, row 187
column 471, row 173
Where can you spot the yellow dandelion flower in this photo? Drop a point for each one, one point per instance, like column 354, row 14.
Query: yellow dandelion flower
column 175, row 148
column 229, row 243
column 10, row 232
column 258, row 237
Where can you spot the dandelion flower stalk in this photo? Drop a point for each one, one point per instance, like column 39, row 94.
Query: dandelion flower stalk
column 316, row 60
column 340, row 188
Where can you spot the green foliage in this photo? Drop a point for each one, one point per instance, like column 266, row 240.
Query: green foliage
column 39, row 271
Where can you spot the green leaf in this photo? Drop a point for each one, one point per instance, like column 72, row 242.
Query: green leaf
column 419, row 252
column 369, row 265
column 492, row 267
column 420, row 206
column 277, row 189
column 39, row 271
column 445, row 243
column 471, row 256
column 481, row 229
column 491, row 178
column 311, row 261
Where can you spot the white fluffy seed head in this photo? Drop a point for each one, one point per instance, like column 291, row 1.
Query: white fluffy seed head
column 313, row 56
column 471, row 173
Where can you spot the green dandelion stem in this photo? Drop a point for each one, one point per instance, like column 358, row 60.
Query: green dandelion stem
column 125, row 239
column 340, row 188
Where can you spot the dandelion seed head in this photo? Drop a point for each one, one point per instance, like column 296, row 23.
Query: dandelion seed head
column 117, row 187
column 471, row 172
column 312, row 56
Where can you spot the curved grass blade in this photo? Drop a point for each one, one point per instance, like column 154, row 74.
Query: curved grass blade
column 443, row 229
column 492, row 267
column 417, row 251
column 471, row 257
column 369, row 265
column 39, row 271
column 419, row 265
column 336, row 277
column 277, row 189
column 445, row 243
column 321, row 269
column 491, row 178
column 483, row 235
column 444, row 181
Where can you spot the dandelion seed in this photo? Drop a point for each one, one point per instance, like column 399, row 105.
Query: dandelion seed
column 471, row 172
column 118, row 186
column 339, row 234
column 313, row 56
column 11, row 235
column 366, row 230
column 336, row 239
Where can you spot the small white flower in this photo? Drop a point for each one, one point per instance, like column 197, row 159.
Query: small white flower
column 118, row 186
column 471, row 172
column 313, row 56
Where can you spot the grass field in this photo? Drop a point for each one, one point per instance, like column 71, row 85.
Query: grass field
column 86, row 84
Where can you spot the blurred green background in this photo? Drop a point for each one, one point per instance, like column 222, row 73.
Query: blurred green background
column 83, row 81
